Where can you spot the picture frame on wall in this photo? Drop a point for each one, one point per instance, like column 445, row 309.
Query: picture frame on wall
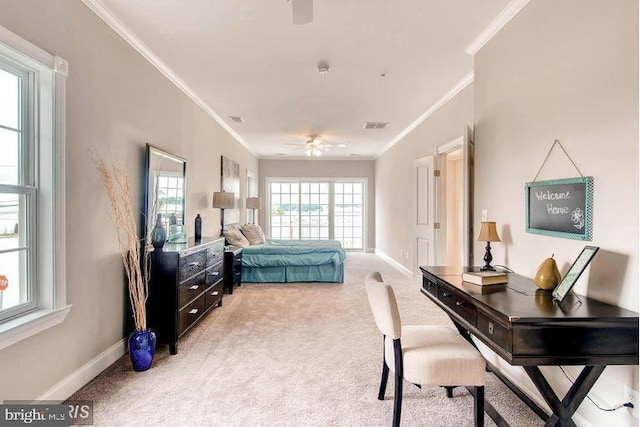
column 230, row 183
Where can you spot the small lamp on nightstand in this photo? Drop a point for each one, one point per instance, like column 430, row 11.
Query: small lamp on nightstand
column 488, row 233
column 222, row 201
column 253, row 203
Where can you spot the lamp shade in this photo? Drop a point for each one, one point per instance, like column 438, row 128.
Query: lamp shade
column 253, row 202
column 223, row 200
column 488, row 232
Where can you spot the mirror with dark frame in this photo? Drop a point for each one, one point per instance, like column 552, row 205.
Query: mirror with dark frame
column 165, row 193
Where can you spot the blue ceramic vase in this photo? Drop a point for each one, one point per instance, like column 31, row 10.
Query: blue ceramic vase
column 142, row 347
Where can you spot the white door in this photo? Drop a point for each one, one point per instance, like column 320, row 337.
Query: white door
column 424, row 212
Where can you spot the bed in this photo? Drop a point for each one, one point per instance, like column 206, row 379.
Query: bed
column 286, row 261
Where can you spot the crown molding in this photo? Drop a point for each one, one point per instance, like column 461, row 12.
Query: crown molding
column 466, row 81
column 109, row 18
column 496, row 25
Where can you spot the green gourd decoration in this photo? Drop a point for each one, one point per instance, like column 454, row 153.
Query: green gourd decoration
column 547, row 275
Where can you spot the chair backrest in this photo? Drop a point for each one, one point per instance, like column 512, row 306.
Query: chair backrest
column 384, row 306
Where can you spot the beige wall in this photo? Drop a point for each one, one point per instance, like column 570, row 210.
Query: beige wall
column 395, row 175
column 565, row 70
column 116, row 101
column 321, row 168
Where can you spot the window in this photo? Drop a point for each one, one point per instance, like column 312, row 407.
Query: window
column 171, row 198
column 348, row 213
column 317, row 210
column 32, row 285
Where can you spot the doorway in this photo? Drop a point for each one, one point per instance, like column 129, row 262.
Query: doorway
column 444, row 203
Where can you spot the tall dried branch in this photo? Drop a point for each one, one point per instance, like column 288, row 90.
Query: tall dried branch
column 116, row 182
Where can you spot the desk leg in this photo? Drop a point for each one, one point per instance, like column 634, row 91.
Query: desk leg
column 562, row 411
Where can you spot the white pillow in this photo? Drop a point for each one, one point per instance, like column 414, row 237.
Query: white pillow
column 253, row 233
column 235, row 238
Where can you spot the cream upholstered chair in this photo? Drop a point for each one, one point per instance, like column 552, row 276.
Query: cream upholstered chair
column 423, row 354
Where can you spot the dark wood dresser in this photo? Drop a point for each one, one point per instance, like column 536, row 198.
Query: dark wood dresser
column 232, row 268
column 186, row 282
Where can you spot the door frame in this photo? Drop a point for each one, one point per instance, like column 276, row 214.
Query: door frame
column 464, row 141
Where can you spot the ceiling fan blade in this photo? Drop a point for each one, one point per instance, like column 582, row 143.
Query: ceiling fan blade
column 302, row 11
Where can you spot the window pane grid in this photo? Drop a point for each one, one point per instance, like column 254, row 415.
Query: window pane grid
column 17, row 196
column 303, row 210
column 348, row 214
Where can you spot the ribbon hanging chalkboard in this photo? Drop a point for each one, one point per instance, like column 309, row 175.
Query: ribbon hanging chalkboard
column 560, row 207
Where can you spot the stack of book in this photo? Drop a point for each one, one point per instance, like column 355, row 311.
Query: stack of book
column 485, row 277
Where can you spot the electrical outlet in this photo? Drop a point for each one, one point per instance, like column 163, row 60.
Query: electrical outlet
column 631, row 395
column 484, row 215
column 401, row 254
column 406, row 255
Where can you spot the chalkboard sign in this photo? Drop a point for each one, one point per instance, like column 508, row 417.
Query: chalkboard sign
column 560, row 208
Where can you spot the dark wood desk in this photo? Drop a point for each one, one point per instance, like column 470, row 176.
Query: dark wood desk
column 525, row 327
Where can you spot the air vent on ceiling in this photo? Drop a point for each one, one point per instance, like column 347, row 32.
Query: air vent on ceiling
column 236, row 119
column 375, row 125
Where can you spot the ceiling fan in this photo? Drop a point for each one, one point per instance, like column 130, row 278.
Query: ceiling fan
column 314, row 147
column 302, row 11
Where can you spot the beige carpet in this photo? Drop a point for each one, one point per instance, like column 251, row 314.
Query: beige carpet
column 288, row 355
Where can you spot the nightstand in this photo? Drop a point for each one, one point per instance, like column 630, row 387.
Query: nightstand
column 232, row 268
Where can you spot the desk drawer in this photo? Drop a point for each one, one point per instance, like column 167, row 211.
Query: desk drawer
column 430, row 286
column 461, row 306
column 496, row 332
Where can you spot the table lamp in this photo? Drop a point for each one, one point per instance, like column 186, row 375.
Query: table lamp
column 488, row 234
column 223, row 200
column 254, row 204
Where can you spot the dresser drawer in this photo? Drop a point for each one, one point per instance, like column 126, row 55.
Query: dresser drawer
column 192, row 264
column 191, row 288
column 497, row 332
column 214, row 253
column 213, row 295
column 461, row 306
column 214, row 274
column 190, row 314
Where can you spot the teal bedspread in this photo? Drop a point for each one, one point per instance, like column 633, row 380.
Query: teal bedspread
column 294, row 261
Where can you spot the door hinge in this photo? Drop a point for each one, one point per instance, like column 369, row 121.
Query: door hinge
column 436, row 172
column 436, row 226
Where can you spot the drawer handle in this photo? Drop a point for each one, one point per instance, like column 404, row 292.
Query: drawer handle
column 194, row 264
column 459, row 303
column 193, row 311
column 214, row 294
column 446, row 295
column 194, row 287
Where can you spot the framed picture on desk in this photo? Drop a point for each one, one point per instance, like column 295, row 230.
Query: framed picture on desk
column 578, row 266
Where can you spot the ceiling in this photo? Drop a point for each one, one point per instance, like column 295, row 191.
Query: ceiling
column 389, row 61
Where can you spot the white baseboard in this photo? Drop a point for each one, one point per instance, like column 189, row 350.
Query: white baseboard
column 78, row 379
column 401, row 268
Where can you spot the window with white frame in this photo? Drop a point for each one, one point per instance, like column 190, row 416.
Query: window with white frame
column 32, row 264
column 317, row 210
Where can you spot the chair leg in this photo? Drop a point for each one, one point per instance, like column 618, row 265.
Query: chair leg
column 449, row 390
column 397, row 401
column 385, row 374
column 478, row 407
